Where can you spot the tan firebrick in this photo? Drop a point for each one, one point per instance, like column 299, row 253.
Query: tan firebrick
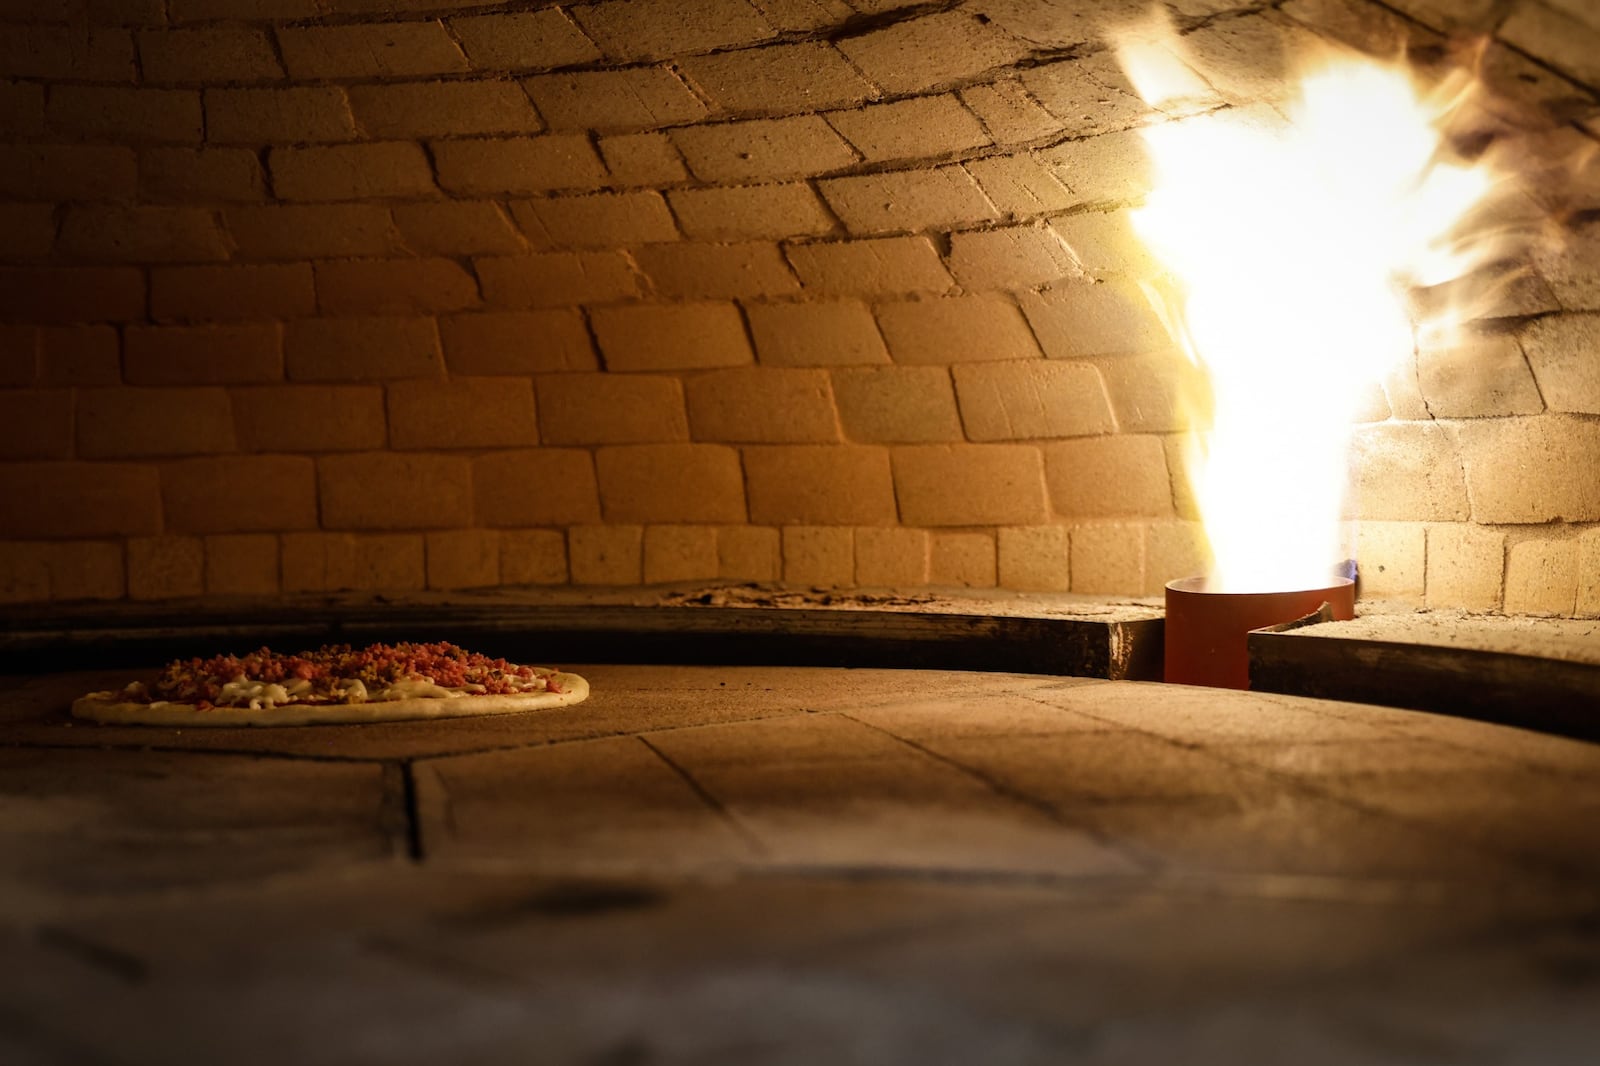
column 679, row 553
column 606, row 555
column 820, row 484
column 818, row 555
column 240, row 493
column 671, row 483
column 965, row 560
column 242, row 564
column 1034, row 558
column 165, row 568
column 969, row 484
column 893, row 556
column 462, row 558
column 1542, row 577
column 769, row 405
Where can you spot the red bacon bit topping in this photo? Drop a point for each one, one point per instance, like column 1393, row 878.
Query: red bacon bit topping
column 200, row 681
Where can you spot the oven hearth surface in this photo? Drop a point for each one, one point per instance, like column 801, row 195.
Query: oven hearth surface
column 792, row 865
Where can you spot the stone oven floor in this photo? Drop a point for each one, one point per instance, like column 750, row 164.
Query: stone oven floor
column 753, row 866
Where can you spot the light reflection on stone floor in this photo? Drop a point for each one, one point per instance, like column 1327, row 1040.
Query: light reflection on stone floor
column 794, row 866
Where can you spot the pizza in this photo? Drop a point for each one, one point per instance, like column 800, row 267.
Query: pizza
column 336, row 683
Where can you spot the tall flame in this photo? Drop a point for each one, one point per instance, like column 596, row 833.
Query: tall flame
column 1290, row 240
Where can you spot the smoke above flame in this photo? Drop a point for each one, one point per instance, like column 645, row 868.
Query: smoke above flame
column 1290, row 238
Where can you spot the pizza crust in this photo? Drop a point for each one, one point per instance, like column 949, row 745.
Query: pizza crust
column 108, row 709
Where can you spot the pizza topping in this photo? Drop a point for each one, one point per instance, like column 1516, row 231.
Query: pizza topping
column 419, row 688
column 339, row 674
column 352, row 690
column 242, row 692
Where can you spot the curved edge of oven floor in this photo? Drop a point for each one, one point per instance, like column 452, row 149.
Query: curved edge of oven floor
column 1545, row 693
column 1113, row 648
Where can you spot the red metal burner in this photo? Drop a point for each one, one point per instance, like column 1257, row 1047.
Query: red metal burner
column 1206, row 631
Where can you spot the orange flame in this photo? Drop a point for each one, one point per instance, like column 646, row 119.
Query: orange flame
column 1291, row 240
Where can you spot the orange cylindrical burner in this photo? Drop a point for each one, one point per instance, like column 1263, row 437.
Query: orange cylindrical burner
column 1206, row 631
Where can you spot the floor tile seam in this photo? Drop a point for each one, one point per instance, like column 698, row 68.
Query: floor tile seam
column 1035, row 734
column 1531, row 765
column 1423, row 825
column 1502, row 766
column 653, row 731
column 1295, row 784
column 408, row 811
column 754, row 763
column 1112, row 724
column 1201, row 741
column 1199, row 747
column 722, row 811
column 429, row 757
column 1416, row 725
column 1312, row 742
column 1318, row 784
column 780, row 717
column 827, row 712
column 1099, row 801
column 442, row 805
column 1208, row 748
column 1395, row 734
column 1108, row 724
column 971, row 695
column 971, row 686
column 1432, row 775
column 1025, row 799
column 1283, row 702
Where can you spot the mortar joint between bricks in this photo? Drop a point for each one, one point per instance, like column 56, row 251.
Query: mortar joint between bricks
column 1043, row 57
column 594, row 338
column 859, row 25
column 1192, row 23
column 671, row 67
column 1544, row 404
column 386, row 18
column 433, row 171
column 448, row 25
column 276, row 44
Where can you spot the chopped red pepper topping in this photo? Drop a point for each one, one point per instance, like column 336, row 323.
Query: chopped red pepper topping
column 200, row 681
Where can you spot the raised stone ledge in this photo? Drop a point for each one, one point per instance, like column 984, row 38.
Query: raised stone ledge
column 749, row 624
column 1536, row 673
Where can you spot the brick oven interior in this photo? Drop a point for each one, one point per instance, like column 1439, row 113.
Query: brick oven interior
column 562, row 327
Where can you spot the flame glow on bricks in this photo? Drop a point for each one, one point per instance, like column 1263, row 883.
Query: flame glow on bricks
column 1290, row 241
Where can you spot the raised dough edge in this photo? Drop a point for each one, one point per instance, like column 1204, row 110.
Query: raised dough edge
column 575, row 689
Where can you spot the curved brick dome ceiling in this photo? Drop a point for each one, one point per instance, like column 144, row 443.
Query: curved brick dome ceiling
column 319, row 294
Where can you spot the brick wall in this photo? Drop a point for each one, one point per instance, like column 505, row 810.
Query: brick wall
column 304, row 295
